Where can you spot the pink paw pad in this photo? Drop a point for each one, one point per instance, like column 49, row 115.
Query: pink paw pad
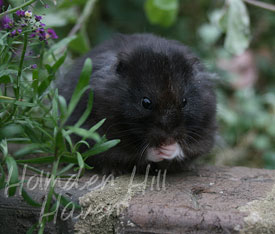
column 164, row 152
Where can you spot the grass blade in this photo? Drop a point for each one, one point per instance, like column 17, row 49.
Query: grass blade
column 13, row 173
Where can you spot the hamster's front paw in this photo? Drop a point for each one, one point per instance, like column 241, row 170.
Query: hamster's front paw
column 168, row 152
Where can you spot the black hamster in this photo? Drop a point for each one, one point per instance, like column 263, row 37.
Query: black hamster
column 157, row 98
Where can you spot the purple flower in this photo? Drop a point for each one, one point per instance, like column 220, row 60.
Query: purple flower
column 32, row 35
column 13, row 33
column 41, row 30
column 42, row 25
column 38, row 18
column 20, row 13
column 34, row 66
column 19, row 30
column 46, row 6
column 41, row 34
column 7, row 22
column 52, row 33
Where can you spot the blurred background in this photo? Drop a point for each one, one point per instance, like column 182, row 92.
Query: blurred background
column 235, row 39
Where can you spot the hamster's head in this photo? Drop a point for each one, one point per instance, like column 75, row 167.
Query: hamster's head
column 167, row 104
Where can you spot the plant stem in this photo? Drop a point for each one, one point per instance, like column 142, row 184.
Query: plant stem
column 264, row 5
column 49, row 196
column 17, row 8
column 21, row 65
column 88, row 9
column 42, row 55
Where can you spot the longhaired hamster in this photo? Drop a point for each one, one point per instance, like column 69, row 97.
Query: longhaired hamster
column 157, row 98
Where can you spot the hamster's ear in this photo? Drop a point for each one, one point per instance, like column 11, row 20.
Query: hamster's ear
column 122, row 65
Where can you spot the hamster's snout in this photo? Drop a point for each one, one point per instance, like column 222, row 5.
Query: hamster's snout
column 168, row 152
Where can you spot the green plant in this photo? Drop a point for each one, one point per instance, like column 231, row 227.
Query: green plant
column 34, row 115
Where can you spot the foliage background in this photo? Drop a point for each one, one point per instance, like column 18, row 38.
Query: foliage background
column 245, row 84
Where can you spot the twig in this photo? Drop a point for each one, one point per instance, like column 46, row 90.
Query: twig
column 17, row 8
column 17, row 93
column 264, row 5
column 86, row 13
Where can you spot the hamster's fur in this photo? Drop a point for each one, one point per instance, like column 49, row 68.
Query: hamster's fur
column 157, row 98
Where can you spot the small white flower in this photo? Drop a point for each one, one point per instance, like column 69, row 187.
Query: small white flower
column 28, row 14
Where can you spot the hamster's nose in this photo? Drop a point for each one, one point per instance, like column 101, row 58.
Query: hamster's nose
column 169, row 141
column 169, row 122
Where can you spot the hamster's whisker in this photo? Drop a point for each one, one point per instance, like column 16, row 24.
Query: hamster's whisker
column 129, row 143
column 192, row 139
column 117, row 124
column 127, row 130
column 143, row 149
column 190, row 132
column 186, row 146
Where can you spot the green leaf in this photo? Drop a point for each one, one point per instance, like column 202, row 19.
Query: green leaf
column 29, row 200
column 29, row 149
column 81, row 86
column 49, row 68
column 59, row 62
column 238, row 31
column 54, row 112
column 40, row 160
column 87, row 133
column 53, row 210
column 48, row 159
column 4, row 148
column 84, row 133
column 67, row 138
column 100, row 148
column 80, row 160
column 87, row 112
column 68, row 159
column 5, row 79
column 31, row 133
column 10, row 131
column 2, row 178
column 97, row 126
column 62, row 106
column 59, row 141
column 5, row 99
column 65, row 169
column 209, row 33
column 80, row 143
column 162, row 12
column 13, row 173
column 88, row 167
column 45, row 84
column 218, row 18
column 60, row 45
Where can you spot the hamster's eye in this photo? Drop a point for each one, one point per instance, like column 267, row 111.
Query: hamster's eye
column 184, row 102
column 146, row 103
